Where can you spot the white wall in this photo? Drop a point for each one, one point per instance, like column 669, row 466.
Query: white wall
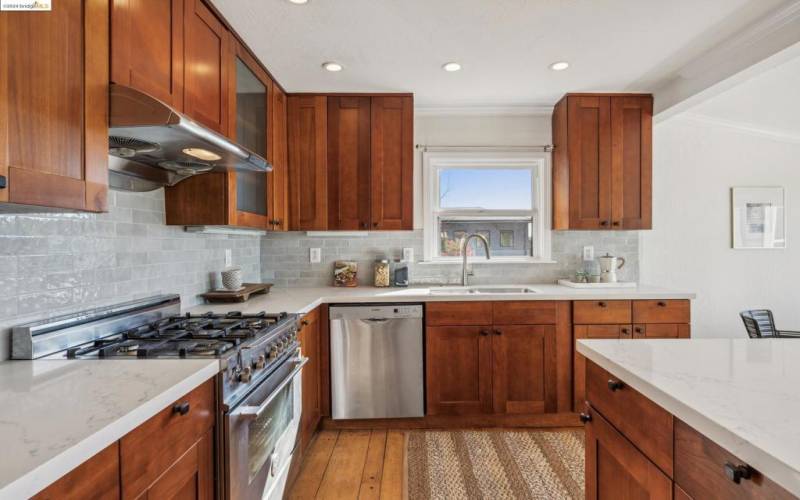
column 695, row 165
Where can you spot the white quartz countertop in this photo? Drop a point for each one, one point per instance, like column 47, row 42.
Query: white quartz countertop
column 303, row 300
column 54, row 415
column 743, row 394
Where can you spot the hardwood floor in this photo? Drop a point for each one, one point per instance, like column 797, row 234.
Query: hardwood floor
column 353, row 464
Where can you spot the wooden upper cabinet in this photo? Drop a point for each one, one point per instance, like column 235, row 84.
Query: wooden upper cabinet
column 602, row 163
column 349, row 162
column 631, row 162
column 54, row 106
column 308, row 185
column 206, row 67
column 278, row 179
column 147, row 47
column 392, row 163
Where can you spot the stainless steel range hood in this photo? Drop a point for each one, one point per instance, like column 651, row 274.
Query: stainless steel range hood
column 151, row 145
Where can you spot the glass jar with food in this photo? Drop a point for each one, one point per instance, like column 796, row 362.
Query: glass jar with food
column 382, row 272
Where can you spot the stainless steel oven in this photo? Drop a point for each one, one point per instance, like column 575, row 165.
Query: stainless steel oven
column 260, row 434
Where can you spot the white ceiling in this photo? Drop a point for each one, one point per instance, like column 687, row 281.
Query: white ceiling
column 766, row 103
column 505, row 46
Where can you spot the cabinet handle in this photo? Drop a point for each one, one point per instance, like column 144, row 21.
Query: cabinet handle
column 181, row 408
column 585, row 417
column 625, row 330
column 638, row 329
column 602, row 304
column 603, row 222
column 484, row 333
column 498, row 332
column 615, row 385
column 661, row 304
column 364, row 225
column 304, row 322
column 615, row 223
column 737, row 472
column 374, row 224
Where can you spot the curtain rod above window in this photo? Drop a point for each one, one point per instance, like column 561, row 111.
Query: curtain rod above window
column 544, row 147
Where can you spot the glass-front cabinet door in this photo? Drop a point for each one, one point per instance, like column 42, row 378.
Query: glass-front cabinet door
column 249, row 189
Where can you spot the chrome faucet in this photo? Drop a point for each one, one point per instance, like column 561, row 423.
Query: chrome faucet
column 481, row 238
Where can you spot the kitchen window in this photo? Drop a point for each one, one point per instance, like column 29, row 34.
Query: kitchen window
column 504, row 196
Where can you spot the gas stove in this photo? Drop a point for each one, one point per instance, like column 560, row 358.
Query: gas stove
column 248, row 346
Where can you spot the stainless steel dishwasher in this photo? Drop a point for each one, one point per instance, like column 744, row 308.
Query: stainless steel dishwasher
column 377, row 361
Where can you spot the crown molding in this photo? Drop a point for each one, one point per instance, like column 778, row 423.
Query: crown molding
column 744, row 127
column 484, row 111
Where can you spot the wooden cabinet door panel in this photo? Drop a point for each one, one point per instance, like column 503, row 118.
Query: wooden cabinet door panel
column 616, row 470
column 661, row 311
column 95, row 479
column 524, row 369
column 631, row 161
column 579, row 362
column 661, row 331
column 310, row 344
column 308, row 185
column 207, row 66
column 349, row 162
column 392, row 163
column 54, row 106
column 589, row 146
column 458, row 370
column 191, row 477
column 147, row 47
column 278, row 179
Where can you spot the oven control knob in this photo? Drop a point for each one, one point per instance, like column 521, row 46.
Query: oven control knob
column 246, row 374
column 261, row 362
column 273, row 351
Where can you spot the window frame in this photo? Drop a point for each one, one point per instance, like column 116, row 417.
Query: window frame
column 538, row 162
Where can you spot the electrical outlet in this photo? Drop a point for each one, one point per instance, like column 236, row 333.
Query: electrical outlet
column 408, row 254
column 228, row 257
column 315, row 255
column 588, row 253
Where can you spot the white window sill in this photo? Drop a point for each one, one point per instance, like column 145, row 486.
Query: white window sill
column 479, row 261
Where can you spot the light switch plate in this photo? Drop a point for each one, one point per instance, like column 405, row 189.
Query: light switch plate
column 315, row 255
column 228, row 257
column 408, row 254
column 588, row 253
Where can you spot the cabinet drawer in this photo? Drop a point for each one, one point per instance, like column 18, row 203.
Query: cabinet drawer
column 700, row 470
column 644, row 423
column 528, row 312
column 603, row 312
column 661, row 331
column 458, row 313
column 150, row 449
column 661, row 311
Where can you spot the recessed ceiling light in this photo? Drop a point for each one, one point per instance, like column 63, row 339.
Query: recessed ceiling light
column 559, row 66
column 332, row 66
column 299, row 2
column 451, row 66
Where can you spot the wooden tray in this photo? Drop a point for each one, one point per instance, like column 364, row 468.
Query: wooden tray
column 242, row 295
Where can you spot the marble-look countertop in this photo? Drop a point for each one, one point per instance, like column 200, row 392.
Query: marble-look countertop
column 54, row 414
column 743, row 394
column 303, row 300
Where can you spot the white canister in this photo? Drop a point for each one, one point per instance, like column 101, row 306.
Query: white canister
column 232, row 278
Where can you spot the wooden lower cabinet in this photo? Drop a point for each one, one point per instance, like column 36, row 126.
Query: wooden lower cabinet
column 616, row 469
column 479, row 362
column 309, row 336
column 458, row 363
column 95, row 479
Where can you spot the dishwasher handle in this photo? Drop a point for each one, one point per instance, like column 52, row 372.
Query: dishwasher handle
column 376, row 320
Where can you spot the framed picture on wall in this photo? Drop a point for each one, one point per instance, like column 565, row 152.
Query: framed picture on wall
column 759, row 217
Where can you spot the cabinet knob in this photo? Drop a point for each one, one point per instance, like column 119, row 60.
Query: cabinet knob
column 737, row 472
column 603, row 222
column 585, row 417
column 638, row 329
column 615, row 385
column 602, row 304
column 181, row 408
column 498, row 332
column 661, row 304
column 625, row 330
column 304, row 322
column 484, row 333
column 374, row 224
column 615, row 223
column 364, row 225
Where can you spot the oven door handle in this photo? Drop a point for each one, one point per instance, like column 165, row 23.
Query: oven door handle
column 253, row 412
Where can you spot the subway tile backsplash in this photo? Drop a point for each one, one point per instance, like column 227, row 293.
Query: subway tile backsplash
column 53, row 264
column 285, row 258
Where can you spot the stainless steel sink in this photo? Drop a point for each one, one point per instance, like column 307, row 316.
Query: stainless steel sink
column 497, row 289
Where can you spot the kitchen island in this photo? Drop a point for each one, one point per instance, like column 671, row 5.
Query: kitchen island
column 732, row 404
